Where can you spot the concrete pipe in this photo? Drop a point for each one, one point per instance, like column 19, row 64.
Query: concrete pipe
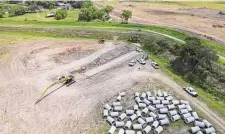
column 135, row 107
column 122, row 116
column 200, row 124
column 207, row 123
column 171, row 113
column 149, row 119
column 158, row 130
column 137, row 126
column 129, row 132
column 175, row 102
column 143, row 96
column 137, row 94
column 118, row 108
column 159, row 93
column 148, row 94
column 139, row 132
column 195, row 115
column 159, row 98
column 183, row 111
column 138, row 113
column 118, row 98
column 169, row 98
column 129, row 112
column 153, row 115
column 105, row 113
column 122, row 94
column 114, row 114
column 147, row 102
column 137, row 100
column 155, row 124
column 116, row 104
column 159, row 106
column 165, row 102
column 151, row 98
column 182, row 106
column 195, row 129
column 189, row 120
column 156, row 102
column 175, row 118
column 199, row 132
column 210, row 130
column 128, row 125
column 163, row 110
column 147, row 129
column 119, row 124
column 184, row 102
column 189, row 108
column 185, row 116
column 108, row 107
column 151, row 108
column 165, row 94
column 112, row 130
column 141, row 121
column 161, row 116
column 142, row 105
column 133, row 117
column 164, row 122
column 144, row 111
column 110, row 120
column 121, row 131
column 170, row 107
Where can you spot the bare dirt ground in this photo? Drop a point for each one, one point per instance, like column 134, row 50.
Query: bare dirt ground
column 195, row 20
column 101, row 71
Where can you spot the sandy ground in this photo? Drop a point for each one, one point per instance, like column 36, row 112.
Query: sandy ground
column 34, row 65
column 195, row 20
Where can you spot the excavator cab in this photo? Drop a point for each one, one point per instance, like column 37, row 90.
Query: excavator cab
column 70, row 80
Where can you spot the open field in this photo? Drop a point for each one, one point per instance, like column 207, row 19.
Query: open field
column 35, row 51
column 197, row 20
column 72, row 15
column 33, row 64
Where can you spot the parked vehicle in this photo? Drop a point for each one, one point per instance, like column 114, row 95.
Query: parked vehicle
column 141, row 61
column 144, row 56
column 155, row 65
column 132, row 63
column 138, row 49
column 191, row 91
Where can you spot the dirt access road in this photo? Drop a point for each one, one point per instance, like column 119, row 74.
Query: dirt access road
column 198, row 21
column 101, row 72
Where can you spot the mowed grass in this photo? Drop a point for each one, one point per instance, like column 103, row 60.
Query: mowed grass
column 72, row 15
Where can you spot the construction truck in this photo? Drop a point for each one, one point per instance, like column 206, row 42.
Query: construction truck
column 63, row 80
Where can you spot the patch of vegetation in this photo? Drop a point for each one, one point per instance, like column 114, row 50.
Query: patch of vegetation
column 126, row 14
column 90, row 13
column 60, row 14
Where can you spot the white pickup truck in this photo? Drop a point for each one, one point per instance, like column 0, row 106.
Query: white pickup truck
column 191, row 91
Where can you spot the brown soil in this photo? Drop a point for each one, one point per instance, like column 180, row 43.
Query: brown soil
column 32, row 67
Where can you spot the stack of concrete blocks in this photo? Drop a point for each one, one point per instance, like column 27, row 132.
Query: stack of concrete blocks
column 151, row 113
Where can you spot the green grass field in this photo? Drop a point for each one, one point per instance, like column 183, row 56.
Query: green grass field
column 72, row 15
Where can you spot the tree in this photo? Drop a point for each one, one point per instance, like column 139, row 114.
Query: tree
column 1, row 12
column 60, row 14
column 194, row 61
column 108, row 9
column 89, row 14
column 126, row 15
column 77, row 4
column 87, row 4
column 51, row 7
column 15, row 10
column 33, row 8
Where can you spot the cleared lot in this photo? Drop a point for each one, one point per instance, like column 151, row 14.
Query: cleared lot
column 33, row 65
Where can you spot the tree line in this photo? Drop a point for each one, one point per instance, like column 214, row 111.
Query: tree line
column 193, row 61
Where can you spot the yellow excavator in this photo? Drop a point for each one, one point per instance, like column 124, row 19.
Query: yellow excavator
column 64, row 80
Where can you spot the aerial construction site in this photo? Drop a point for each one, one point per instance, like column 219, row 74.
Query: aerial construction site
column 111, row 75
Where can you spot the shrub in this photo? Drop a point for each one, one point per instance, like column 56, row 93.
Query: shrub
column 60, row 14
column 16, row 10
